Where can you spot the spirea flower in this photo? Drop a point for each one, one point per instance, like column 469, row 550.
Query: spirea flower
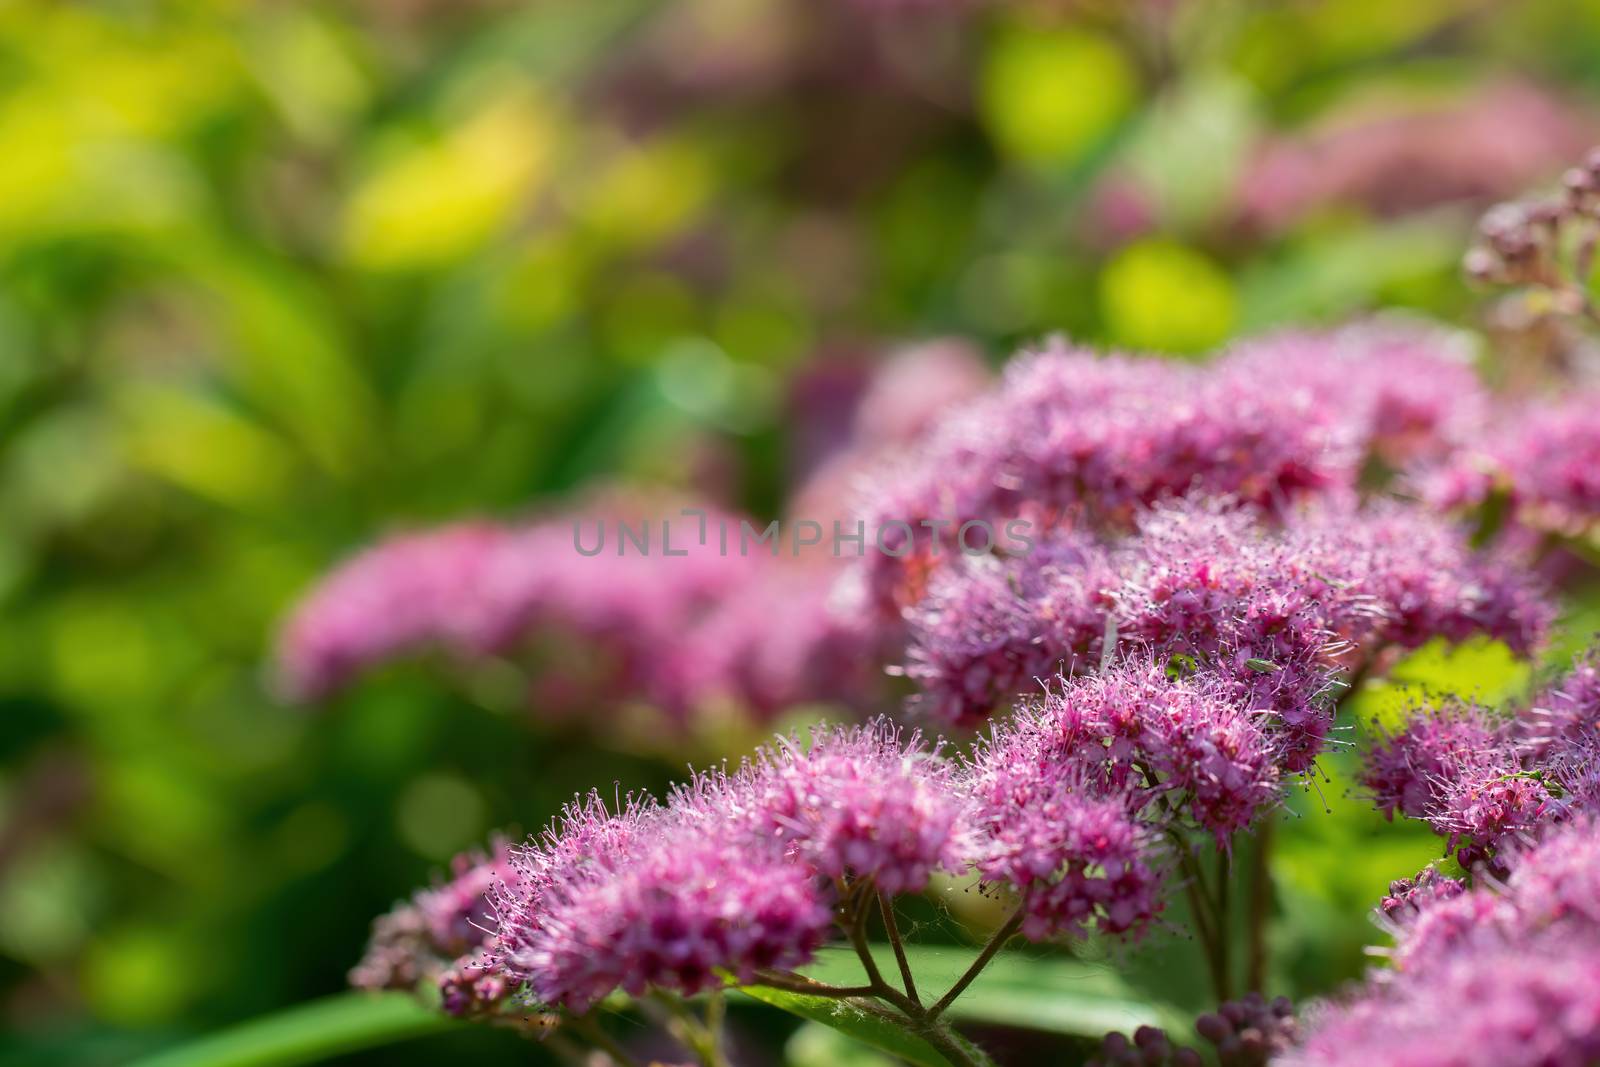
column 911, row 390
column 1485, row 804
column 1565, row 713
column 1409, row 896
column 1070, row 434
column 860, row 802
column 1408, row 770
column 778, row 641
column 1277, row 608
column 1522, row 1003
column 594, row 620
column 1055, row 828
column 1243, row 1033
column 1544, row 457
column 1409, row 390
column 1077, row 856
column 1488, row 145
column 587, row 835
column 991, row 627
column 451, row 921
column 394, row 599
column 1505, row 975
column 1484, row 780
column 1134, row 727
column 675, row 911
column 734, row 874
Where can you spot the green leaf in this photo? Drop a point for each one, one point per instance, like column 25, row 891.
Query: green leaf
column 1261, row 666
column 817, row 1045
column 310, row 1033
column 1053, row 994
column 839, row 1015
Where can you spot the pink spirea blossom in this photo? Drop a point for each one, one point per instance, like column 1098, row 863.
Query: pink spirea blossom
column 678, row 908
column 1484, row 781
column 1277, row 606
column 1072, row 435
column 1131, row 727
column 1566, row 712
column 393, row 599
column 586, row 833
column 1072, row 848
column 1409, row 389
column 1484, row 805
column 777, row 641
column 1543, row 456
column 673, row 630
column 1505, row 975
column 861, row 802
column 911, row 390
column 444, row 934
column 1060, row 795
column 1408, row 896
column 1407, row 770
column 734, row 873
column 1531, row 1002
column 1489, row 145
column 991, row 627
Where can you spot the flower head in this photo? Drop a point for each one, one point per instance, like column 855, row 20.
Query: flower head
column 454, row 920
column 1056, row 825
column 860, row 802
column 675, row 912
column 1408, row 389
column 1505, row 975
column 990, row 628
column 1407, row 771
column 1545, row 458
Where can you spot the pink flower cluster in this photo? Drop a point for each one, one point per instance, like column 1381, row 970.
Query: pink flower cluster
column 677, row 632
column 1277, row 607
column 740, row 872
column 735, row 873
column 1071, row 434
column 1504, row 975
column 1543, row 457
column 444, row 935
column 1483, row 780
column 1486, row 146
column 1408, row 388
column 1166, row 747
column 1073, row 438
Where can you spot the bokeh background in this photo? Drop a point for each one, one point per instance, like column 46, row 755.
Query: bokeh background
column 276, row 278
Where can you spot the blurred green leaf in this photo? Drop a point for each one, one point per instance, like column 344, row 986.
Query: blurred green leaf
column 1048, row 96
column 817, row 1045
column 310, row 1033
column 853, row 1022
column 1166, row 296
column 1056, row 994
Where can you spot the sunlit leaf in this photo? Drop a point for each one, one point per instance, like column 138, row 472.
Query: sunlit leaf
column 310, row 1033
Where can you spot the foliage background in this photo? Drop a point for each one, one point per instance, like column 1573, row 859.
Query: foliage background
column 276, row 278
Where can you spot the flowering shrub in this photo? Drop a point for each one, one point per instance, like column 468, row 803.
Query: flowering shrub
column 1199, row 562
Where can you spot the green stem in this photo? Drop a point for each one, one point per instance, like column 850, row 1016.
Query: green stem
column 799, row 983
column 892, row 930
column 1224, row 925
column 716, row 1011
column 592, row 1032
column 996, row 942
column 947, row 1042
column 701, row 1038
column 1260, row 905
